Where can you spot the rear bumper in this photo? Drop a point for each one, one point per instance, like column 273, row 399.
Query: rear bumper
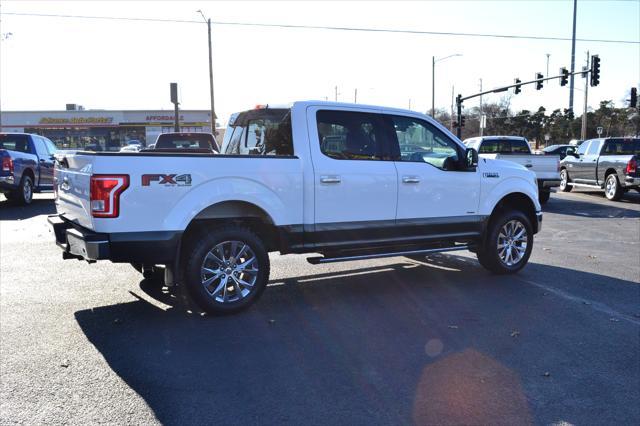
column 548, row 183
column 631, row 181
column 7, row 183
column 77, row 242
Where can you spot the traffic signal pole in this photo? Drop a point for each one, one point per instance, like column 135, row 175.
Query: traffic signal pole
column 460, row 99
column 583, row 129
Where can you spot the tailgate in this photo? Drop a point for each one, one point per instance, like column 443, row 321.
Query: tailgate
column 72, row 178
column 544, row 166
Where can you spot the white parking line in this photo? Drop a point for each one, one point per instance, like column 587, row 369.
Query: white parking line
column 600, row 307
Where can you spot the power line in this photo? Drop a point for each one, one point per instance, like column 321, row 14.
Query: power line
column 323, row 27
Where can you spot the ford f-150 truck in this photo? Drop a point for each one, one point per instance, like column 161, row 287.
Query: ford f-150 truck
column 27, row 165
column 315, row 177
column 610, row 164
column 517, row 149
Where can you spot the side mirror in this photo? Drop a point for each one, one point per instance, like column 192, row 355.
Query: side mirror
column 470, row 158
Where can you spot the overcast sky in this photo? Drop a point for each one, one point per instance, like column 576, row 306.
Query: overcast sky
column 108, row 64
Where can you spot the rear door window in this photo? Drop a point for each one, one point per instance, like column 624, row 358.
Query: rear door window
column 348, row 135
column 41, row 147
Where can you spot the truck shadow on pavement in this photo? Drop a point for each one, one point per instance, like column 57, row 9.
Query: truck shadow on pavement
column 435, row 342
column 10, row 210
column 596, row 209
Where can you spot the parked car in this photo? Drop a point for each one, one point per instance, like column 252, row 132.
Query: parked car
column 517, row 150
column 130, row 148
column 609, row 164
column 317, row 177
column 189, row 141
column 576, row 142
column 27, row 165
column 560, row 150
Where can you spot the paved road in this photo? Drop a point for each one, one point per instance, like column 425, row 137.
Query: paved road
column 389, row 341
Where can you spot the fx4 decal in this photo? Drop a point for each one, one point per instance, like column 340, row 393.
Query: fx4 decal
column 491, row 175
column 167, row 180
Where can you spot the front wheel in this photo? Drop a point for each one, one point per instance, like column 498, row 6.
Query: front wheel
column 508, row 243
column 564, row 181
column 612, row 189
column 227, row 270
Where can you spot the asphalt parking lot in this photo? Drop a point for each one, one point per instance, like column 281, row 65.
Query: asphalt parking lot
column 390, row 341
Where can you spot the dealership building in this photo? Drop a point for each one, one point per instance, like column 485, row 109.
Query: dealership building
column 77, row 127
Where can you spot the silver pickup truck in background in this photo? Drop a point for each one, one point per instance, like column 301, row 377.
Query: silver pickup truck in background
column 517, row 150
column 610, row 164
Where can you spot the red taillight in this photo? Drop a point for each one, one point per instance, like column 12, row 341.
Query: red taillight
column 105, row 194
column 632, row 167
column 7, row 164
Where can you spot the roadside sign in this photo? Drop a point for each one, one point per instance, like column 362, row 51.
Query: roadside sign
column 599, row 129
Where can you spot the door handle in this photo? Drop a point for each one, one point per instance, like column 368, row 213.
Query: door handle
column 330, row 179
column 410, row 179
column 528, row 165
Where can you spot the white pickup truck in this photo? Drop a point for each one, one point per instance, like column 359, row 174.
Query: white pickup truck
column 517, row 149
column 345, row 181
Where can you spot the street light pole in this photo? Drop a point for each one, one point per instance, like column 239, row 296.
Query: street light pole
column 573, row 55
column 213, row 113
column 433, row 80
column 583, row 130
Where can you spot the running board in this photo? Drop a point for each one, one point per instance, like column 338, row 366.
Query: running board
column 319, row 260
column 585, row 185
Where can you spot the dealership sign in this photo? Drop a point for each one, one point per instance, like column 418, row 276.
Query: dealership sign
column 76, row 120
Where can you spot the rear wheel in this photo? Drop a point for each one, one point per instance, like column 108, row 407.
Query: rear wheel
column 544, row 196
column 227, row 270
column 564, row 181
column 612, row 189
column 508, row 243
column 24, row 193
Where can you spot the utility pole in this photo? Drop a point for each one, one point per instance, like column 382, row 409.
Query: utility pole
column 336, row 93
column 583, row 132
column 173, row 89
column 573, row 55
column 213, row 111
column 355, row 96
column 480, row 118
column 433, row 86
column 409, row 103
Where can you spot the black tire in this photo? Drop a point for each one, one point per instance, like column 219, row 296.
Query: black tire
column 211, row 298
column 24, row 193
column 612, row 188
column 543, row 196
column 564, row 179
column 489, row 254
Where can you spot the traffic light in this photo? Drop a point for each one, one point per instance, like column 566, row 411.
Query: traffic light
column 595, row 70
column 564, row 79
column 462, row 120
column 633, row 101
column 518, row 87
column 539, row 81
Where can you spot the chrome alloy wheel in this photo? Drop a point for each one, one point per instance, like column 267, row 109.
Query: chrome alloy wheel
column 27, row 191
column 611, row 186
column 563, row 180
column 512, row 242
column 229, row 271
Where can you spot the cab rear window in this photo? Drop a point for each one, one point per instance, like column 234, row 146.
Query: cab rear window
column 15, row 142
column 186, row 141
column 260, row 132
column 622, row 147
